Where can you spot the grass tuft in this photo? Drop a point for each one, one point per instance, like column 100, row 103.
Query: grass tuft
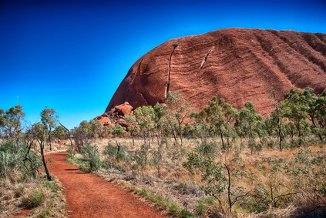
column 33, row 199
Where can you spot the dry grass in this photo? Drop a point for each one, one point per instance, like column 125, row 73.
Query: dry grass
column 38, row 198
column 183, row 188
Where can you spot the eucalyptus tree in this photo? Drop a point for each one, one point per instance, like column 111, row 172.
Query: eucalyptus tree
column 49, row 119
column 96, row 128
column 160, row 126
column 296, row 109
column 11, row 122
column 321, row 115
column 249, row 124
column 311, row 99
column 217, row 175
column 278, row 123
column 86, row 132
column 201, row 126
column 82, row 135
column 221, row 117
column 133, row 127
column 40, row 131
column 145, row 120
column 60, row 132
column 118, row 130
column 177, row 114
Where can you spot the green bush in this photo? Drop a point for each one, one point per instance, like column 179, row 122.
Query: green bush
column 185, row 214
column 7, row 147
column 8, row 158
column 165, row 203
column 8, row 162
column 33, row 199
column 204, row 206
column 92, row 157
column 116, row 153
column 258, row 202
column 51, row 186
column 13, row 158
column 140, row 158
column 208, row 150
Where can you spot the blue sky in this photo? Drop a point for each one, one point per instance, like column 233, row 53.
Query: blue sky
column 72, row 55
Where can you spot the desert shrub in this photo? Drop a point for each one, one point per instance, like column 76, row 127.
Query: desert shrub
column 51, row 186
column 92, row 157
column 7, row 147
column 8, row 161
column 44, row 213
column 208, row 150
column 257, row 202
column 33, row 199
column 204, row 206
column 164, row 203
column 140, row 158
column 71, row 151
column 29, row 164
column 116, row 154
column 104, row 165
column 85, row 133
column 118, row 130
column 14, row 159
column 185, row 214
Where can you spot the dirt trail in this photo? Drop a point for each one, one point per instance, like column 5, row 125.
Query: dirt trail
column 88, row 195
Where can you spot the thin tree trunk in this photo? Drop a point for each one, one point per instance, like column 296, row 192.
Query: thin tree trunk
column 299, row 134
column 175, row 136
column 279, row 134
column 315, row 125
column 280, row 139
column 229, row 187
column 241, row 142
column 221, row 135
column 50, row 139
column 133, row 140
column 272, row 197
column 71, row 144
column 48, row 176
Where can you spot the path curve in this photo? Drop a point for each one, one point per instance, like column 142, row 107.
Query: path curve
column 89, row 195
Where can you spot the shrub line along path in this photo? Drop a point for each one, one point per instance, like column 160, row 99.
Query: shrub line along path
column 88, row 195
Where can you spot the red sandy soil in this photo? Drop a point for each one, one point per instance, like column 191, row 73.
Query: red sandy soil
column 88, row 195
column 23, row 213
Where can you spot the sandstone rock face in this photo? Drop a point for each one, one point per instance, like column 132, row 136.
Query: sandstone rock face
column 239, row 65
column 116, row 115
column 123, row 109
column 105, row 120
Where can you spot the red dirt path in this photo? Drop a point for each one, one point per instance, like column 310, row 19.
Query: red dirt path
column 88, row 195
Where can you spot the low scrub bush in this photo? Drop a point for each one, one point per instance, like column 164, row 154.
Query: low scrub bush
column 18, row 190
column 204, row 206
column 116, row 154
column 14, row 158
column 52, row 186
column 164, row 203
column 33, row 199
column 92, row 157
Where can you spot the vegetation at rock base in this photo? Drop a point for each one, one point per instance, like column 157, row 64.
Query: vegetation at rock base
column 220, row 161
column 220, row 158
